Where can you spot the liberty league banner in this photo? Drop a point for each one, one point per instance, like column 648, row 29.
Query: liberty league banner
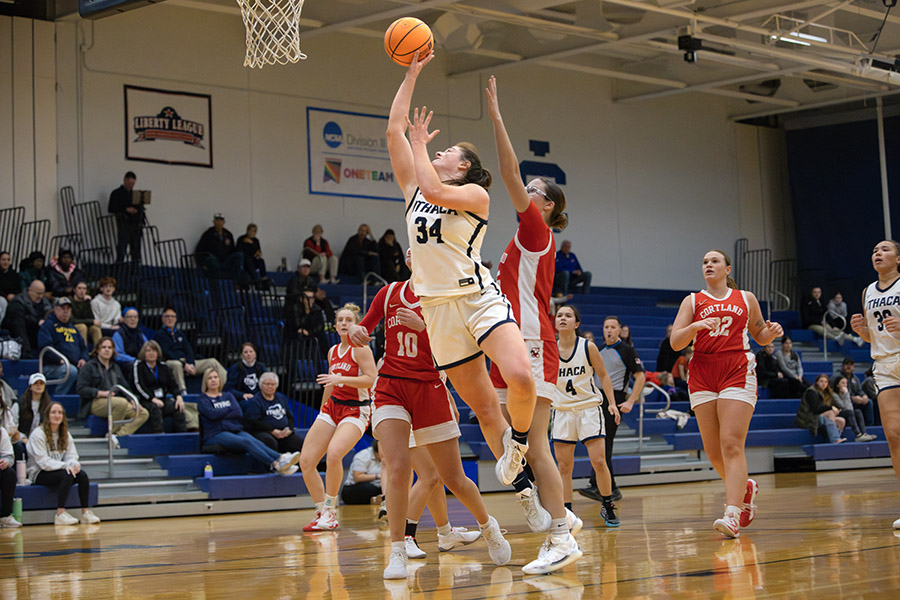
column 168, row 127
column 348, row 155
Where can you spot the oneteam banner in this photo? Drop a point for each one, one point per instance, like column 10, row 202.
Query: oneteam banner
column 168, row 127
column 348, row 155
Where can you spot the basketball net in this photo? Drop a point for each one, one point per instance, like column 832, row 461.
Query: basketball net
column 273, row 31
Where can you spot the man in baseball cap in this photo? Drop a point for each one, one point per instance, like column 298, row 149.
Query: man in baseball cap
column 59, row 333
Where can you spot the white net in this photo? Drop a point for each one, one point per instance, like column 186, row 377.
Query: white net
column 273, row 31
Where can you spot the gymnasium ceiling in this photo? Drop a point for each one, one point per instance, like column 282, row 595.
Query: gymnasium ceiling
column 771, row 55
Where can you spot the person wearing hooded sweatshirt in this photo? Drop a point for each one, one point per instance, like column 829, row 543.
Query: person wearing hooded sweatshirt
column 63, row 274
column 244, row 375
column 59, row 332
column 25, row 315
column 129, row 339
column 33, row 269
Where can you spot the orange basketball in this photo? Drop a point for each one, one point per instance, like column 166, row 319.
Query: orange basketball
column 404, row 37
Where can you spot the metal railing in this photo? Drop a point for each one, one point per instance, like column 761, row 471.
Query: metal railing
column 110, row 438
column 377, row 277
column 65, row 361
column 826, row 326
column 648, row 389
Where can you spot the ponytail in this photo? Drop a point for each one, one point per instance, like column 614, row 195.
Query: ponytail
column 732, row 283
column 476, row 174
column 558, row 218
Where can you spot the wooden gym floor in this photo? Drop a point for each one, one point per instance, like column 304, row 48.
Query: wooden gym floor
column 825, row 535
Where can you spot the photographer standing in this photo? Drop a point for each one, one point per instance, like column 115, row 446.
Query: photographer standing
column 129, row 218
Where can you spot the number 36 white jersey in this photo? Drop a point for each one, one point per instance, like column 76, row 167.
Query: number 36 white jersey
column 446, row 250
column 880, row 304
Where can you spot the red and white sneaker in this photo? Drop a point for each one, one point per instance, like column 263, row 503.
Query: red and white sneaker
column 313, row 525
column 729, row 525
column 327, row 521
column 748, row 509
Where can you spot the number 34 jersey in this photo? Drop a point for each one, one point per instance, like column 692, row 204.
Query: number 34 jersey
column 881, row 304
column 446, row 250
column 407, row 352
column 732, row 313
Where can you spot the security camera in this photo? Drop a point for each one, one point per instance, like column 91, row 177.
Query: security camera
column 690, row 57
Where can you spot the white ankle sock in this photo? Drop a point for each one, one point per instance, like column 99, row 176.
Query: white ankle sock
column 445, row 529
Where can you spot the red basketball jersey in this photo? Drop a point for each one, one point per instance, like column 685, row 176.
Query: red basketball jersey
column 526, row 275
column 345, row 364
column 733, row 312
column 407, row 352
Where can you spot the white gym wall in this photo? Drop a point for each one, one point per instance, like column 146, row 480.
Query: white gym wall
column 651, row 185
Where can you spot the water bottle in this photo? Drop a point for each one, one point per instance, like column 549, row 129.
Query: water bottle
column 207, row 471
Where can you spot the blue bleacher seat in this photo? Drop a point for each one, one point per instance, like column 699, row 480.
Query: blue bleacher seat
column 252, row 486
column 38, row 497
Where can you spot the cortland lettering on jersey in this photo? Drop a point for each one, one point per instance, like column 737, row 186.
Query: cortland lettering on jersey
column 342, row 366
column 882, row 302
column 710, row 309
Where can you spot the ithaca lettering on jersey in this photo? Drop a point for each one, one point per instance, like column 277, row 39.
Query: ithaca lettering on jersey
column 571, row 371
column 423, row 206
column 882, row 302
column 713, row 308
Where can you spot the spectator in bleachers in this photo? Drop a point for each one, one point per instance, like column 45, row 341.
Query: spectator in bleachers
column 96, row 379
column 25, row 315
column 7, row 395
column 33, row 404
column 83, row 315
column 254, row 264
column 300, row 282
column 854, row 387
column 218, row 255
column 813, row 314
column 32, row 268
column 363, row 480
column 325, row 306
column 849, row 411
column 625, row 334
column 768, row 375
column 836, row 313
column 9, row 420
column 178, row 353
column 10, row 283
column 308, row 322
column 59, row 333
column 63, row 274
column 53, row 463
column 106, row 308
column 7, row 481
column 667, row 382
column 223, row 425
column 244, row 375
column 268, row 417
column 129, row 339
column 360, row 255
column 324, row 262
column 393, row 258
column 789, row 364
column 871, row 391
column 666, row 357
column 681, row 368
column 818, row 413
column 129, row 218
column 569, row 274
column 156, row 389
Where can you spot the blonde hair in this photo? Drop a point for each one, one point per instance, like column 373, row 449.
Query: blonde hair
column 204, row 387
column 353, row 308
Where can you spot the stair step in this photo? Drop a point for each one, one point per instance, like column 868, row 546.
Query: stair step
column 138, row 484
column 118, row 461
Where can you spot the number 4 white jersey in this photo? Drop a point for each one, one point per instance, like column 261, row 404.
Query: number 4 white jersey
column 446, row 250
column 575, row 385
column 880, row 304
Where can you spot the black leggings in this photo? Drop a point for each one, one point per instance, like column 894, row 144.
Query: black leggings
column 611, row 427
column 292, row 443
column 360, row 493
column 63, row 481
column 7, row 490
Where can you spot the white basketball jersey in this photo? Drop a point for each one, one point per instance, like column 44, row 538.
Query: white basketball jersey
column 575, row 385
column 880, row 304
column 446, row 250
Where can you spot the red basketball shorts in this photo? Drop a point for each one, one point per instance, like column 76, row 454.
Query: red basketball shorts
column 729, row 376
column 425, row 405
column 334, row 414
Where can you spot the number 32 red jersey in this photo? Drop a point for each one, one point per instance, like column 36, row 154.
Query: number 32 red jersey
column 407, row 352
column 733, row 312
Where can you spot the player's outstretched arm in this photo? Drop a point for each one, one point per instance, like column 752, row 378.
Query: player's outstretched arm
column 398, row 146
column 509, row 162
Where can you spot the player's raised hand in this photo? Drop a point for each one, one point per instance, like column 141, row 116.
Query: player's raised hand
column 358, row 335
column 858, row 323
column 415, row 67
column 709, row 323
column 418, row 127
column 493, row 100
column 409, row 318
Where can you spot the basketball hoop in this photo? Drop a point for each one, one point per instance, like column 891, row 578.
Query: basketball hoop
column 273, row 31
